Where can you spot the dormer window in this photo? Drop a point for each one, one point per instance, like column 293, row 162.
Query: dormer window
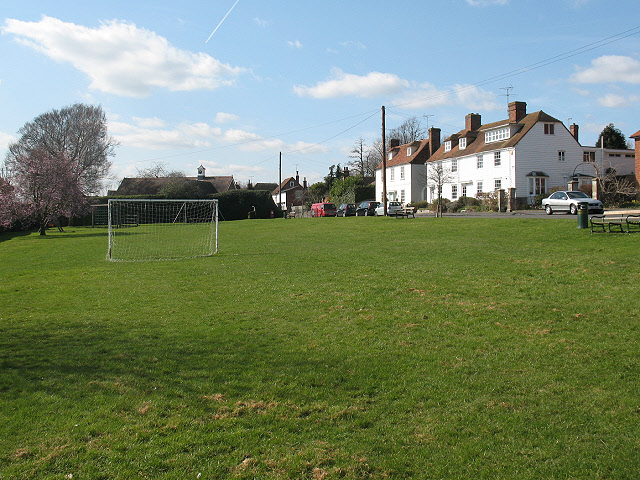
column 409, row 151
column 497, row 135
column 447, row 146
column 462, row 144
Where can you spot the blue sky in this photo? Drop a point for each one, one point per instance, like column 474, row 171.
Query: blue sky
column 309, row 78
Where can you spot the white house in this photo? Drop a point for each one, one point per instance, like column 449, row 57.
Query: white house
column 525, row 155
column 406, row 169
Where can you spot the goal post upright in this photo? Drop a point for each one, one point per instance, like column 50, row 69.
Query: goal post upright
column 161, row 229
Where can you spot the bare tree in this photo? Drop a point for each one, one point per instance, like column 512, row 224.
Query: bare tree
column 78, row 134
column 437, row 175
column 410, row 131
column 366, row 159
column 159, row 170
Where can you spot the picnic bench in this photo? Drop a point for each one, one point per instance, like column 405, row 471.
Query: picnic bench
column 615, row 222
column 405, row 212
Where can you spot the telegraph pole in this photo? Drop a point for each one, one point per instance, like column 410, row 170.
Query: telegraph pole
column 280, row 182
column 384, row 165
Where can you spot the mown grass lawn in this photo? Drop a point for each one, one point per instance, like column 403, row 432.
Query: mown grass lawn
column 325, row 348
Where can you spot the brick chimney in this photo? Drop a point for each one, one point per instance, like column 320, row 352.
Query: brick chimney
column 636, row 137
column 573, row 128
column 473, row 121
column 394, row 142
column 434, row 140
column 517, row 111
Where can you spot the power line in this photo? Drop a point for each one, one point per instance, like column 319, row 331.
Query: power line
column 518, row 71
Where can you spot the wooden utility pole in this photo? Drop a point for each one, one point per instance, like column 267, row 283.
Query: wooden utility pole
column 384, row 165
column 280, row 182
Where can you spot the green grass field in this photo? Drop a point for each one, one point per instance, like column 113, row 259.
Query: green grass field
column 452, row 348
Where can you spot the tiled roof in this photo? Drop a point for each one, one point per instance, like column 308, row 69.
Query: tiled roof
column 284, row 186
column 153, row 186
column 636, row 135
column 222, row 183
column 419, row 154
column 475, row 138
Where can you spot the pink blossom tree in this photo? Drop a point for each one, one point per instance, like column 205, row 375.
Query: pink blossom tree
column 10, row 208
column 47, row 187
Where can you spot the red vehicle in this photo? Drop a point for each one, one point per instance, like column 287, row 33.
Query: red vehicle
column 323, row 209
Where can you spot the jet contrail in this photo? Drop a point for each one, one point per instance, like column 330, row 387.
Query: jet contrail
column 224, row 18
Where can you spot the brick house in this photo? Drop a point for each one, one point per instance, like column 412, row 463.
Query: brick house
column 290, row 193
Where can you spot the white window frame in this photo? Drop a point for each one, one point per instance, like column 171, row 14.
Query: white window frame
column 497, row 158
column 479, row 187
column 480, row 161
column 497, row 184
column 401, row 173
column 402, row 196
column 454, row 192
column 537, row 185
column 447, row 146
column 462, row 143
column 409, row 151
column 392, row 174
column 562, row 155
column 549, row 128
column 464, row 190
column 454, row 165
column 497, row 135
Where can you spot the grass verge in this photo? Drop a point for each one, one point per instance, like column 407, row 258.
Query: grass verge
column 325, row 348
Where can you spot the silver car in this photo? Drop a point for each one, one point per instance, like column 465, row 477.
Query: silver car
column 567, row 201
column 392, row 207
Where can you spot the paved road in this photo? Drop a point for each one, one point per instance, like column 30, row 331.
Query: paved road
column 522, row 214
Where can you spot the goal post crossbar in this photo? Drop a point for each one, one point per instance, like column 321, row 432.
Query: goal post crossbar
column 161, row 229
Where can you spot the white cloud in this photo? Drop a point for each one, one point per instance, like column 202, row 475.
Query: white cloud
column 353, row 44
column 612, row 100
column 260, row 22
column 222, row 117
column 486, row 3
column 294, row 44
column 199, row 136
column 610, row 69
column 149, row 122
column 121, row 58
column 5, row 140
column 426, row 96
column 345, row 84
column 475, row 98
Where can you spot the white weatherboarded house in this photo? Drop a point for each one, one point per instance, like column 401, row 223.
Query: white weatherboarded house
column 525, row 155
column 406, row 169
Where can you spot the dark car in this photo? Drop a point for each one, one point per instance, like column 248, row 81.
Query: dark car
column 346, row 210
column 367, row 208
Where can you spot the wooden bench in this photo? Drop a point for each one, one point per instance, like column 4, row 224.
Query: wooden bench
column 619, row 222
column 405, row 212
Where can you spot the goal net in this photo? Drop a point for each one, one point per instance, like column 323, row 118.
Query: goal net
column 162, row 229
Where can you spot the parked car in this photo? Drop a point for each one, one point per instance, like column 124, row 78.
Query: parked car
column 323, row 209
column 392, row 207
column 567, row 201
column 346, row 210
column 367, row 208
